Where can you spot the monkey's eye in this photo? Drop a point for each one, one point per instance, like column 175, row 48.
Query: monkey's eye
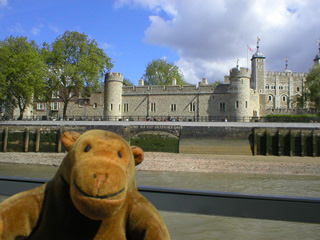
column 119, row 154
column 87, row 148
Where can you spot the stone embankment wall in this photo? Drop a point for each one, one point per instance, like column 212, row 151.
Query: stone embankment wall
column 214, row 138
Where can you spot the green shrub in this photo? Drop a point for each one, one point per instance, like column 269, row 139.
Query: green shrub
column 156, row 142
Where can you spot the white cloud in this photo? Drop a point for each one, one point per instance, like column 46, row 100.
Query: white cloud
column 35, row 30
column 3, row 3
column 16, row 28
column 54, row 28
column 105, row 45
column 209, row 35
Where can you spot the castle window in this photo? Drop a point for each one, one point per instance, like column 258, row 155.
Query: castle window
column 173, row 107
column 281, row 87
column 119, row 107
column 55, row 94
column 126, row 107
column 192, row 107
column 284, row 98
column 82, row 103
column 298, row 89
column 111, row 107
column 40, row 106
column 267, row 86
column 222, row 107
column 95, row 105
column 153, row 107
column 237, row 104
column 246, row 104
column 55, row 106
column 270, row 98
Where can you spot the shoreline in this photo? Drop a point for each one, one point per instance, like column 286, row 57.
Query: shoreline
column 203, row 163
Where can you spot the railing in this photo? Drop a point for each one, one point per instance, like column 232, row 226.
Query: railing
column 296, row 209
column 175, row 118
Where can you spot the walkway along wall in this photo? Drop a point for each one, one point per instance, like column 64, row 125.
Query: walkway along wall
column 214, row 138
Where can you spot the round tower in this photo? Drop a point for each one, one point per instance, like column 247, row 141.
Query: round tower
column 239, row 89
column 258, row 68
column 113, row 96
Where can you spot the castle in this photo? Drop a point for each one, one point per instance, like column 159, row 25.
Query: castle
column 243, row 96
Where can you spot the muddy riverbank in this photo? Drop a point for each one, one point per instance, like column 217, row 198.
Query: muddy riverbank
column 206, row 163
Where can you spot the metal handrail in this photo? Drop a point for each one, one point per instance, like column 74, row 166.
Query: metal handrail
column 283, row 208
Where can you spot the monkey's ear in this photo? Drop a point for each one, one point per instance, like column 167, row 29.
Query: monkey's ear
column 138, row 155
column 68, row 139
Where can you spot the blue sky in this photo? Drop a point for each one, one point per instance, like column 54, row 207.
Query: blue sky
column 203, row 38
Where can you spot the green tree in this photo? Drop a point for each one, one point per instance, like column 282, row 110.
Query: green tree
column 127, row 82
column 76, row 64
column 22, row 72
column 160, row 72
column 313, row 85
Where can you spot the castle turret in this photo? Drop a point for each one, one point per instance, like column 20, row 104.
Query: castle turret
column 239, row 90
column 141, row 82
column 113, row 96
column 258, row 67
column 317, row 58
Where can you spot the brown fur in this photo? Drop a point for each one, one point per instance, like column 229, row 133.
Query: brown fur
column 92, row 196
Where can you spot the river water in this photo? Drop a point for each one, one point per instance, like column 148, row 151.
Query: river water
column 192, row 226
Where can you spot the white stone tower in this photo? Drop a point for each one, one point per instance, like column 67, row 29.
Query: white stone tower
column 113, row 96
column 258, row 68
column 239, row 89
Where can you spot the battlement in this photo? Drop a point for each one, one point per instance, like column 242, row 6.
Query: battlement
column 237, row 73
column 114, row 76
column 278, row 73
column 159, row 89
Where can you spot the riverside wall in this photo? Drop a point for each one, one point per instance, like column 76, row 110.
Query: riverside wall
column 193, row 137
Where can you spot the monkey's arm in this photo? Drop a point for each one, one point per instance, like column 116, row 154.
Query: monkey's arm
column 19, row 214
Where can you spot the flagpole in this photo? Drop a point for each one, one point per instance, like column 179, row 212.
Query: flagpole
column 247, row 57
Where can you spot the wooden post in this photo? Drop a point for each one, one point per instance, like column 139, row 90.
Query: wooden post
column 26, row 140
column 302, row 144
column 267, row 141
column 292, row 141
column 280, row 143
column 5, row 139
column 59, row 134
column 255, row 138
column 314, row 144
column 37, row 140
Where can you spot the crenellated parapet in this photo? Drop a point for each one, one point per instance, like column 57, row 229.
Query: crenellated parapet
column 278, row 73
column 162, row 89
column 239, row 72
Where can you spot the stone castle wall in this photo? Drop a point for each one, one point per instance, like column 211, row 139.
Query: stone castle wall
column 243, row 94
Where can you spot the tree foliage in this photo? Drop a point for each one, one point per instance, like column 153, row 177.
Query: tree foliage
column 160, row 72
column 313, row 85
column 76, row 64
column 22, row 72
column 127, row 82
